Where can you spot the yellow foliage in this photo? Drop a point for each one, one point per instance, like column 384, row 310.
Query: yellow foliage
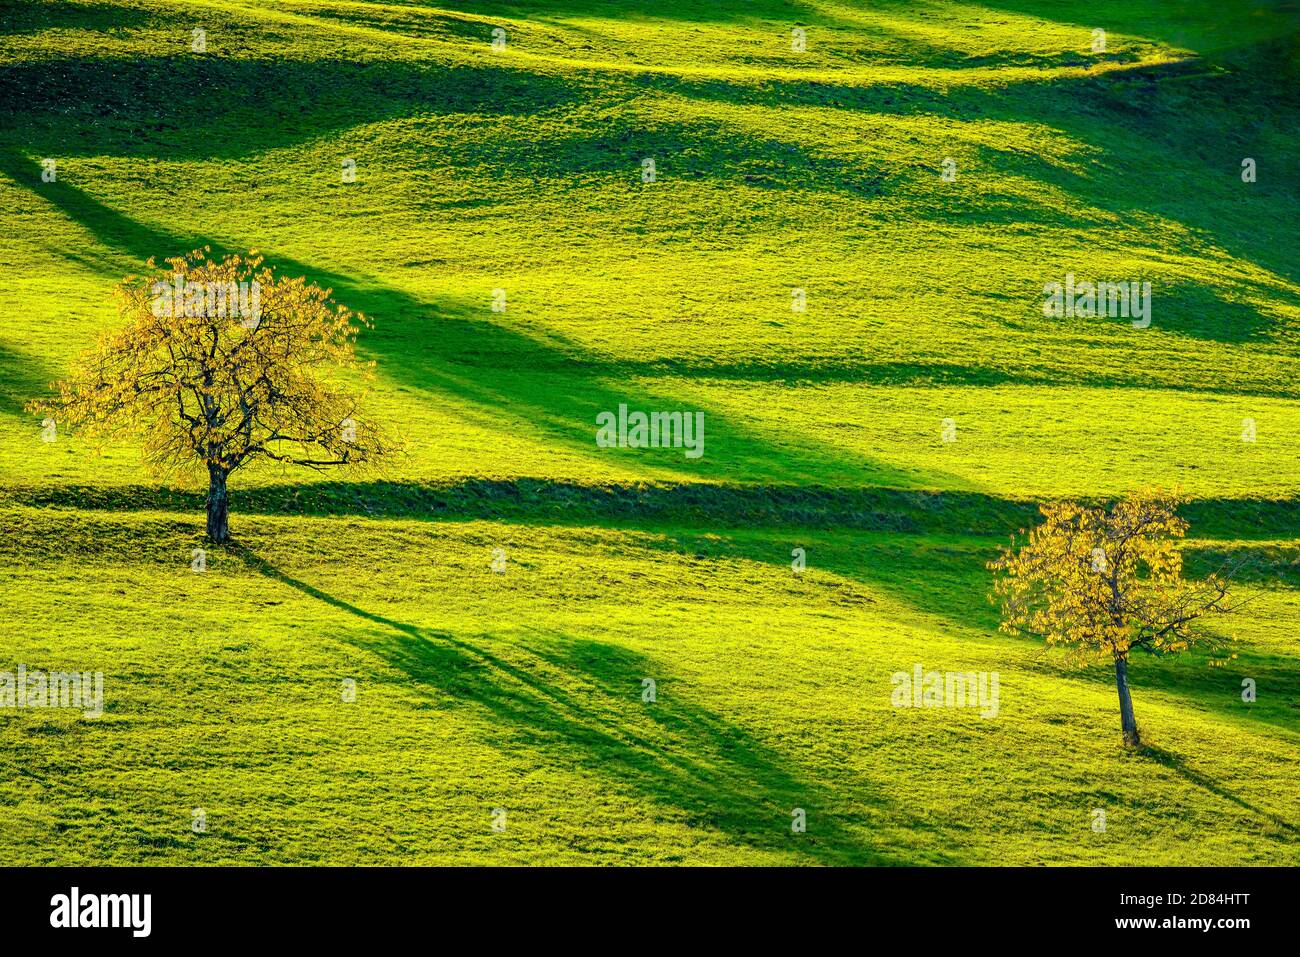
column 1105, row 581
column 218, row 364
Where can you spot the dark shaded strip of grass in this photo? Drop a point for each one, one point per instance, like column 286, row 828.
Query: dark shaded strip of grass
column 712, row 505
column 555, row 502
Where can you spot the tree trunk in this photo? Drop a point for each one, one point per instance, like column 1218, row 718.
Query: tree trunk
column 218, row 505
column 1126, row 720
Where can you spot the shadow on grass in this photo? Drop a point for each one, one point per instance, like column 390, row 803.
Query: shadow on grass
column 22, row 377
column 1268, row 564
column 30, row 17
column 553, row 384
column 551, row 502
column 446, row 349
column 1195, row 28
column 1179, row 765
column 782, row 12
column 702, row 505
column 1207, row 679
column 1159, row 146
column 213, row 107
column 947, row 579
column 927, row 550
column 675, row 753
column 697, row 149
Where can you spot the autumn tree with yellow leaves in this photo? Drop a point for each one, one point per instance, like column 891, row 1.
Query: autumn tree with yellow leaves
column 219, row 365
column 1105, row 583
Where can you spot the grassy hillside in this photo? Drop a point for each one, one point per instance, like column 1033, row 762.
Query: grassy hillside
column 520, row 169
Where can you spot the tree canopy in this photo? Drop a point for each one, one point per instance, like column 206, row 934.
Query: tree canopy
column 221, row 363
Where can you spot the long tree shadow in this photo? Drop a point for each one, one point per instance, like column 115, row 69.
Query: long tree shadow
column 678, row 754
column 160, row 108
column 1178, row 764
column 553, row 386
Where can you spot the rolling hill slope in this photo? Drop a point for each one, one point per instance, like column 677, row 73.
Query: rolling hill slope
column 517, row 175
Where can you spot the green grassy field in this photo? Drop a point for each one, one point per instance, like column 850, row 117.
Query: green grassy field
column 520, row 169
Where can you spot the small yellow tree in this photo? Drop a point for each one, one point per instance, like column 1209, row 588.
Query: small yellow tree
column 218, row 366
column 1105, row 582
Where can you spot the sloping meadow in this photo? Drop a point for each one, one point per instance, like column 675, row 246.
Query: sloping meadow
column 832, row 236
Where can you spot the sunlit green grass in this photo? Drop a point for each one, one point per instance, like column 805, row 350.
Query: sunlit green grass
column 523, row 691
column 776, row 170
